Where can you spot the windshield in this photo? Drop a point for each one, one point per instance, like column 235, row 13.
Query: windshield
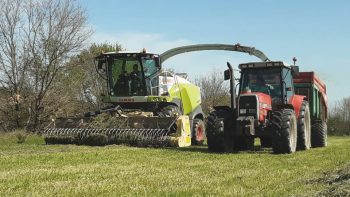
column 128, row 74
column 263, row 80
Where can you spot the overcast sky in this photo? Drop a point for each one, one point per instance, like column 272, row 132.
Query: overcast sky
column 316, row 32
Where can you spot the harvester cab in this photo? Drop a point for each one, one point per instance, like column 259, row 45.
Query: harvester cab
column 266, row 107
column 129, row 74
column 147, row 106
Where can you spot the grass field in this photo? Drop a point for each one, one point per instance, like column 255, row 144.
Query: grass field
column 35, row 169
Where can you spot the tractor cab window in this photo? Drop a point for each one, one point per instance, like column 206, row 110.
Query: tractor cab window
column 126, row 77
column 263, row 80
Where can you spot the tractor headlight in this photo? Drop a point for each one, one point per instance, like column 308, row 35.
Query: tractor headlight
column 242, row 111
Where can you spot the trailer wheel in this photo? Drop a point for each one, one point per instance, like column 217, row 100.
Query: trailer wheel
column 319, row 134
column 198, row 132
column 284, row 135
column 218, row 128
column 304, row 127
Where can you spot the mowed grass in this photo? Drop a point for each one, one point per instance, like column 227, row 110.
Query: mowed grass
column 35, row 169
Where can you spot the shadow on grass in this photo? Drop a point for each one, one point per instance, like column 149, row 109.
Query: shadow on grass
column 204, row 149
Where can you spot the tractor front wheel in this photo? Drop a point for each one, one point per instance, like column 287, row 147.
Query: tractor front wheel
column 218, row 129
column 284, row 135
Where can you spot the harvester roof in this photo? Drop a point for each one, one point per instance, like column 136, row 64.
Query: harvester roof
column 126, row 52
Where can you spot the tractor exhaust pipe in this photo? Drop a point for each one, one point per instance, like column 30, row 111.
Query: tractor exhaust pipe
column 229, row 75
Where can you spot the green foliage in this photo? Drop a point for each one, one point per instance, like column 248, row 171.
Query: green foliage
column 106, row 120
column 35, row 169
column 21, row 136
column 78, row 85
column 339, row 118
column 96, row 139
column 214, row 91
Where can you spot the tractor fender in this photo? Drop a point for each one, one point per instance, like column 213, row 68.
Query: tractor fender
column 296, row 101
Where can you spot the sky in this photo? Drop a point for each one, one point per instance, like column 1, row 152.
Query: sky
column 316, row 32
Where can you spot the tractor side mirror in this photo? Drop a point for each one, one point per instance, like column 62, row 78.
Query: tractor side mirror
column 295, row 70
column 227, row 74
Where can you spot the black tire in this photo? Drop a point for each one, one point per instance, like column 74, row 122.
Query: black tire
column 243, row 143
column 284, row 132
column 265, row 142
column 304, row 127
column 198, row 132
column 218, row 129
column 170, row 111
column 319, row 134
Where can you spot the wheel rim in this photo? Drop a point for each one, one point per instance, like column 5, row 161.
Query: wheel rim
column 199, row 133
column 293, row 134
column 307, row 129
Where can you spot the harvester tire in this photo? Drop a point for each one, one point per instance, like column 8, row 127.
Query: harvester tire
column 284, row 132
column 319, row 134
column 304, row 127
column 218, row 129
column 243, row 143
column 170, row 111
column 198, row 132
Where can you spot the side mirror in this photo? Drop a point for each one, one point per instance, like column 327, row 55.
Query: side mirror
column 157, row 60
column 101, row 63
column 227, row 74
column 295, row 70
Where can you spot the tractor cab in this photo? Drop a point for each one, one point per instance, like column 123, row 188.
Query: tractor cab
column 274, row 79
column 128, row 73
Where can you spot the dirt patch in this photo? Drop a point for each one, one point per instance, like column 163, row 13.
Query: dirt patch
column 338, row 183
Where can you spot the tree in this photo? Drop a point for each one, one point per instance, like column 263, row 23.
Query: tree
column 214, row 91
column 79, row 84
column 339, row 118
column 36, row 40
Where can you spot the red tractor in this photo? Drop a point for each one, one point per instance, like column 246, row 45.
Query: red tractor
column 267, row 107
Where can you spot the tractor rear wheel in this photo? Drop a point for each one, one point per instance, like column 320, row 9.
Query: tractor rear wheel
column 284, row 135
column 304, row 127
column 198, row 132
column 219, row 125
column 319, row 134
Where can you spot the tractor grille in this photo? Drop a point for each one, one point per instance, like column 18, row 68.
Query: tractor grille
column 248, row 105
